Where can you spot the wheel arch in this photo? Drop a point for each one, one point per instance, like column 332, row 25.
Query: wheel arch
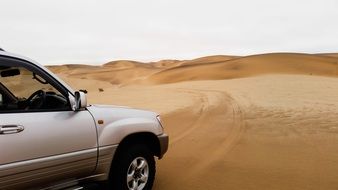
column 147, row 138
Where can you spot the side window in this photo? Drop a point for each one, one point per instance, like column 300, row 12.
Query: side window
column 24, row 90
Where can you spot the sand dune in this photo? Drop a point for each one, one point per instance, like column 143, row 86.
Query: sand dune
column 249, row 66
column 219, row 67
column 257, row 122
column 330, row 54
column 117, row 72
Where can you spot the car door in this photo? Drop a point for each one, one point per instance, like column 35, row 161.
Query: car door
column 41, row 145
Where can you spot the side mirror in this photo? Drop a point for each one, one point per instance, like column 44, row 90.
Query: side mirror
column 79, row 102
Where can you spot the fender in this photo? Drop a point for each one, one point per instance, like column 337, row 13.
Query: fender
column 115, row 123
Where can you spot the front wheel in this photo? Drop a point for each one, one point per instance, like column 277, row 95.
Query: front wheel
column 133, row 169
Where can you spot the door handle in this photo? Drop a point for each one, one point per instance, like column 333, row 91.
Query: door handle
column 9, row 129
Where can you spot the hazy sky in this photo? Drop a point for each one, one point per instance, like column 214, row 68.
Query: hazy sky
column 97, row 31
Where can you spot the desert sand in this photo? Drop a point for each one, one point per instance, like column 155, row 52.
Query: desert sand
column 257, row 122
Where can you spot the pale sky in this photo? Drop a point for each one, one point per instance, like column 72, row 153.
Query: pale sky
column 98, row 31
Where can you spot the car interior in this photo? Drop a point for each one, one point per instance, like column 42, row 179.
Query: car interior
column 23, row 90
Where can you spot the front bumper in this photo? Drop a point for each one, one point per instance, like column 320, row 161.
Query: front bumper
column 164, row 143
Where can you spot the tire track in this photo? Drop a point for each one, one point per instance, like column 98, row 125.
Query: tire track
column 213, row 106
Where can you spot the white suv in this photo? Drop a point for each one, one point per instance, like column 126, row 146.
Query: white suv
column 51, row 139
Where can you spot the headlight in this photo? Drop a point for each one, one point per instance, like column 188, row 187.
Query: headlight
column 159, row 120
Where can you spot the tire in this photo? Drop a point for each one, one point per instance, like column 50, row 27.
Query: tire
column 133, row 169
